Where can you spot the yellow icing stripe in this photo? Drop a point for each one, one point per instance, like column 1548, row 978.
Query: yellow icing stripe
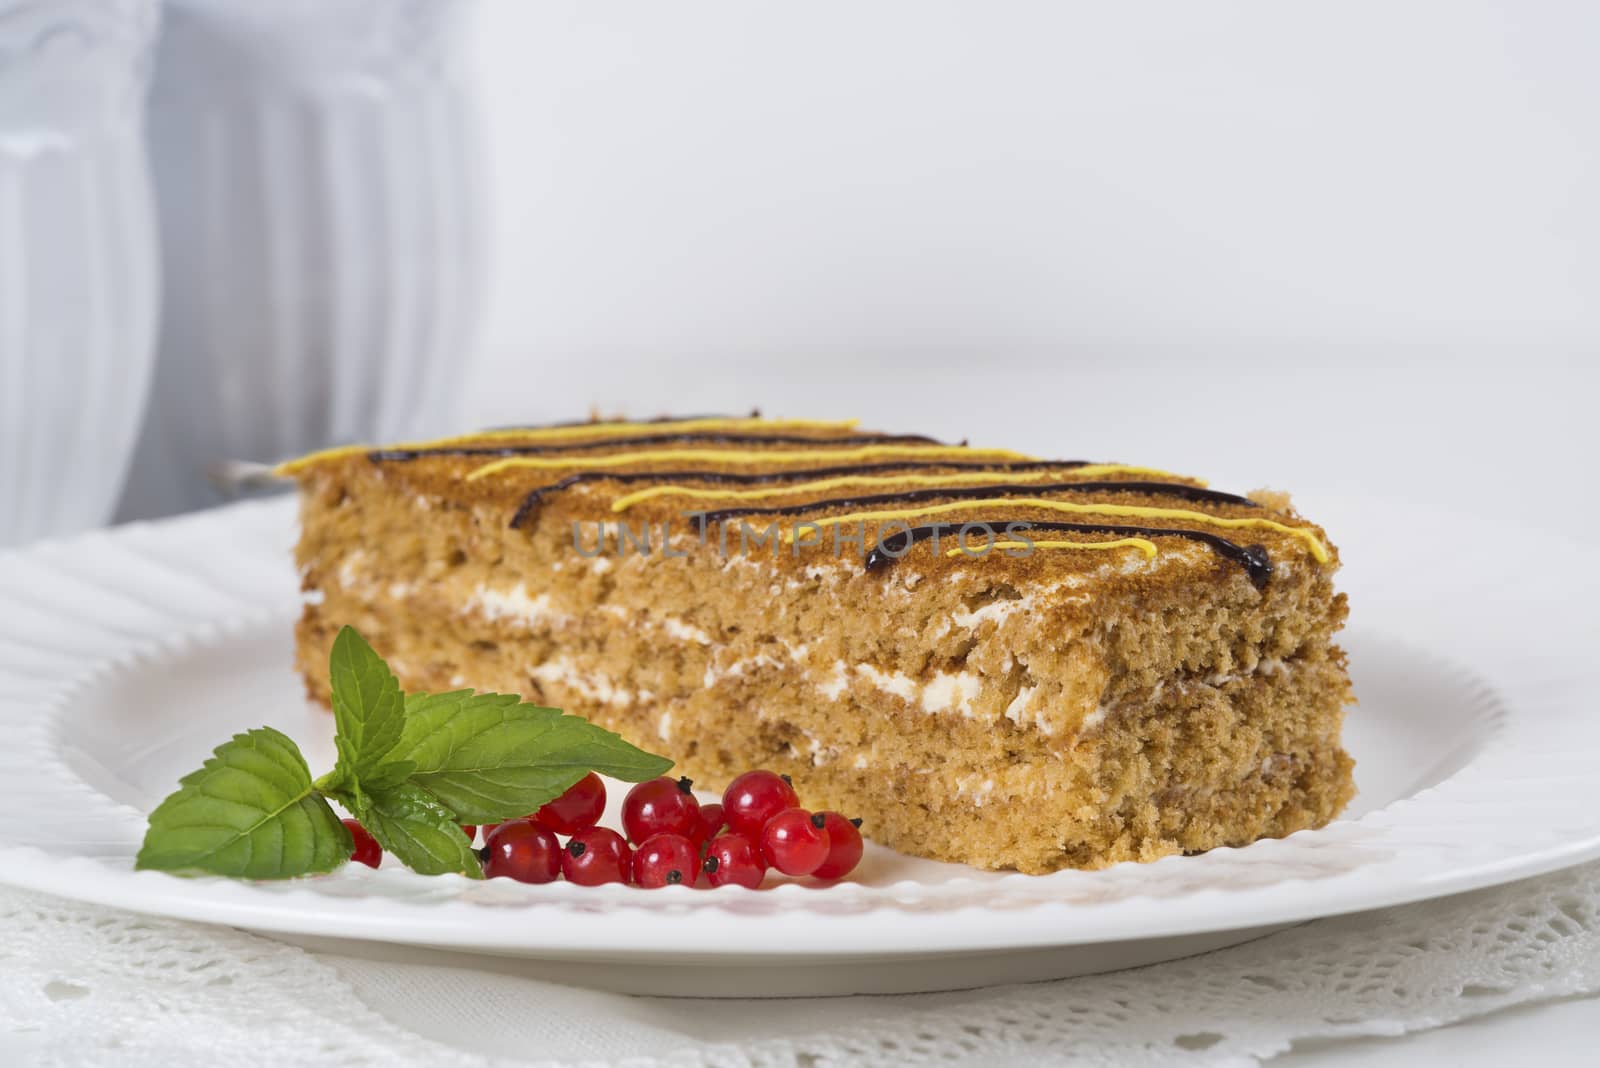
column 963, row 478
column 1318, row 550
column 293, row 467
column 756, row 457
column 584, row 431
column 1146, row 547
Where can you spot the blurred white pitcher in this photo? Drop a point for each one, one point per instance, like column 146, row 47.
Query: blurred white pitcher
column 77, row 258
column 316, row 175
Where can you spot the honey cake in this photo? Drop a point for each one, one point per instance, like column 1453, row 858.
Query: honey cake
column 992, row 658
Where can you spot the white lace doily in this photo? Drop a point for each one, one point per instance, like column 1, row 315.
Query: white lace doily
column 80, row 984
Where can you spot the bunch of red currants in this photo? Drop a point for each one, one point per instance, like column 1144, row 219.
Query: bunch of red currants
column 758, row 825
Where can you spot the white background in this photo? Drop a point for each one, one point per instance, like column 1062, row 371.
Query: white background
column 851, row 180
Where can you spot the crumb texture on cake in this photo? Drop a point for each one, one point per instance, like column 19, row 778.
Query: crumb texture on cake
column 1158, row 675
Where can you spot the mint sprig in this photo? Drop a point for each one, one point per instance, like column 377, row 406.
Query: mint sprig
column 411, row 768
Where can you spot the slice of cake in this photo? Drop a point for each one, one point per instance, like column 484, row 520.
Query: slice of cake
column 990, row 657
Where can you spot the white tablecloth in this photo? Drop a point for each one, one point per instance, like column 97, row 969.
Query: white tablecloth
column 82, row 984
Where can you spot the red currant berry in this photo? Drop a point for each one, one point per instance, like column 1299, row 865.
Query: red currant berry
column 844, row 847
column 489, row 828
column 368, row 851
column 731, row 858
column 795, row 841
column 710, row 823
column 660, row 806
column 754, row 798
column 470, row 830
column 576, row 809
column 596, row 855
column 664, row 860
column 523, row 851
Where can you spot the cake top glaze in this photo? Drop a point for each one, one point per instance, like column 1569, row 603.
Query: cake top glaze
column 828, row 485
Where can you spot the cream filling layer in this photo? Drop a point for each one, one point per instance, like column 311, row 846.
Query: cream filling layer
column 515, row 605
column 593, row 685
column 518, row 606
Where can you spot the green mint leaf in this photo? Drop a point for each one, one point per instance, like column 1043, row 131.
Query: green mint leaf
column 490, row 757
column 368, row 708
column 426, row 836
column 251, row 812
column 389, row 773
column 351, row 794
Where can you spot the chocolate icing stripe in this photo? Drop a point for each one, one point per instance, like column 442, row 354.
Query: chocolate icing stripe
column 754, row 413
column 537, row 495
column 1253, row 558
column 709, row 436
column 1169, row 489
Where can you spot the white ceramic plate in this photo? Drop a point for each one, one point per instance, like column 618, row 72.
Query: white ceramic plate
column 125, row 656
